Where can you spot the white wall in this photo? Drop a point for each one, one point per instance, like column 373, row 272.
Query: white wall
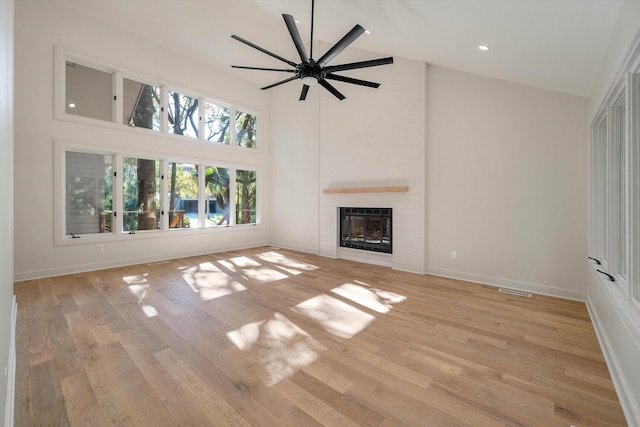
column 506, row 183
column 293, row 194
column 375, row 137
column 39, row 27
column 6, row 195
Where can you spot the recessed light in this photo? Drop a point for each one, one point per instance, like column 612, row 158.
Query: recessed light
column 484, row 47
column 72, row 105
column 367, row 32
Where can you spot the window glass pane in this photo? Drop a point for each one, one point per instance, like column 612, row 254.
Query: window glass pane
column 245, row 130
column 89, row 193
column 217, row 194
column 602, row 193
column 621, row 178
column 88, row 92
column 183, row 115
column 183, row 195
column 141, row 194
column 141, row 105
column 216, row 123
column 245, row 197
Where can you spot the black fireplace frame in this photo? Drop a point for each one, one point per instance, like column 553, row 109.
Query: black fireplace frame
column 347, row 241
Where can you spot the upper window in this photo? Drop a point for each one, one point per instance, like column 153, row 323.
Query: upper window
column 140, row 105
column 88, row 92
column 99, row 93
column 183, row 114
column 216, row 123
column 245, row 130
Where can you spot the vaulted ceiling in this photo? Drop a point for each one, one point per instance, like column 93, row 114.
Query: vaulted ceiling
column 555, row 44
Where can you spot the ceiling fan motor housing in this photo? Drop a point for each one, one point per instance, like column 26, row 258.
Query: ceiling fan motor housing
column 312, row 69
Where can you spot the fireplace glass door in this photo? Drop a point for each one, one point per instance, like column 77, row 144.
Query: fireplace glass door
column 366, row 228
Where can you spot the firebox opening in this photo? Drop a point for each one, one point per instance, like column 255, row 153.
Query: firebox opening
column 368, row 229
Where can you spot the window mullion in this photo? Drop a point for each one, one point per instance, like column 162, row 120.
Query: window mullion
column 164, row 113
column 118, row 97
column 233, row 194
column 232, row 128
column 164, row 190
column 201, row 195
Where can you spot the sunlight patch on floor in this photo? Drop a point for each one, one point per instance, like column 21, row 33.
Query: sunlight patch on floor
column 210, row 282
column 372, row 298
column 149, row 310
column 264, row 274
column 337, row 317
column 140, row 287
column 289, row 265
column 281, row 346
column 243, row 261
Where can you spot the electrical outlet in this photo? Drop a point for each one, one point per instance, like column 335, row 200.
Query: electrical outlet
column 453, row 256
column 99, row 248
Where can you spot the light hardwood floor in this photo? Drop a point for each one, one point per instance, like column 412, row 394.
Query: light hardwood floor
column 272, row 337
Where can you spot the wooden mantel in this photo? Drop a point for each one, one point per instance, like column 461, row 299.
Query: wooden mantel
column 392, row 189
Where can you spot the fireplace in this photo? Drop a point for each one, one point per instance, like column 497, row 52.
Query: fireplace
column 368, row 229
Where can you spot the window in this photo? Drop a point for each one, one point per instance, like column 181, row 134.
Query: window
column 140, row 194
column 183, row 195
column 183, row 114
column 102, row 196
column 217, row 181
column 216, row 123
column 88, row 92
column 85, row 90
column 245, row 197
column 615, row 192
column 140, row 105
column 601, row 189
column 245, row 130
column 619, row 212
column 89, row 193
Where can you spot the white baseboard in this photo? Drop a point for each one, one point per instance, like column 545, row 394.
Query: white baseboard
column 511, row 284
column 82, row 268
column 11, row 369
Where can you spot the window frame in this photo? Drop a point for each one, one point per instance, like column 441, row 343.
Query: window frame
column 622, row 201
column 61, row 56
column 117, row 234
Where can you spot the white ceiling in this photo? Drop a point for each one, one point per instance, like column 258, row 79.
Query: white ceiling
column 555, row 44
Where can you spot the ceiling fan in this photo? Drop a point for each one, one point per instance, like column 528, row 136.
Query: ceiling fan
column 313, row 72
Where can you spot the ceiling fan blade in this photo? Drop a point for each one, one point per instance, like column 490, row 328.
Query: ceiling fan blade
column 361, row 64
column 282, row 70
column 255, row 46
column 353, row 81
column 303, row 94
column 341, row 45
column 295, row 36
column 280, row 82
column 325, row 84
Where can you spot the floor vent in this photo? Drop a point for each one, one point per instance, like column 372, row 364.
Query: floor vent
column 515, row 292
